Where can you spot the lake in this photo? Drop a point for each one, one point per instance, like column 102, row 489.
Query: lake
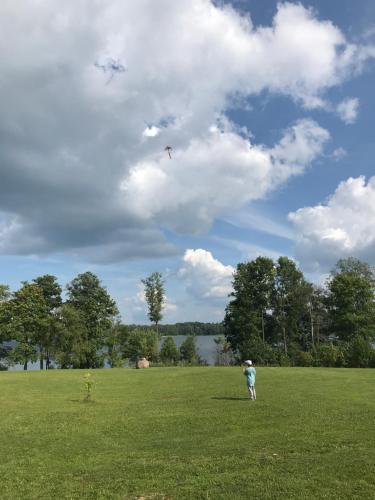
column 205, row 345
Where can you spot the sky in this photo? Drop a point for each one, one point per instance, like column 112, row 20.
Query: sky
column 268, row 108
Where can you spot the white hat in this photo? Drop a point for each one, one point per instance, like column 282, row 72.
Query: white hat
column 248, row 362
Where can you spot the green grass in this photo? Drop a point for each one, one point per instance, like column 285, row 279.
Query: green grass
column 188, row 433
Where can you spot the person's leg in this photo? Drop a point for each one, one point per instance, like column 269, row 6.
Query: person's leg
column 250, row 389
column 254, row 392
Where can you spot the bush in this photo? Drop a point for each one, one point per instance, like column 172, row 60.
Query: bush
column 169, row 353
column 141, row 343
column 304, row 358
column 284, row 360
column 360, row 353
column 188, row 351
column 330, row 355
column 261, row 353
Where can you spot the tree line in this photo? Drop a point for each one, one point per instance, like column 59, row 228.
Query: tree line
column 84, row 330
column 275, row 316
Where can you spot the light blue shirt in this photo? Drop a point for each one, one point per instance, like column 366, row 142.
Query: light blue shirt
column 250, row 374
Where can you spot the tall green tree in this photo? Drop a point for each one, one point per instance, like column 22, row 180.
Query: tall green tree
column 115, row 343
column 155, row 296
column 52, row 295
column 71, row 346
column 351, row 301
column 99, row 310
column 290, row 301
column 247, row 314
column 28, row 319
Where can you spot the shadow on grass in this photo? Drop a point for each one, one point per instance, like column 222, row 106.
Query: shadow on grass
column 231, row 398
column 83, row 401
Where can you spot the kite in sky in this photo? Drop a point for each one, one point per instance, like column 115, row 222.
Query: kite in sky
column 168, row 149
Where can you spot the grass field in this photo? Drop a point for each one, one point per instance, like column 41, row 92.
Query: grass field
column 188, row 433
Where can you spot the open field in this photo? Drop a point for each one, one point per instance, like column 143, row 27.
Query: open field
column 188, row 433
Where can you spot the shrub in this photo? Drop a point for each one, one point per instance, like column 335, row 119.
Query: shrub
column 169, row 352
column 330, row 355
column 304, row 358
column 360, row 353
column 188, row 351
column 262, row 353
column 141, row 343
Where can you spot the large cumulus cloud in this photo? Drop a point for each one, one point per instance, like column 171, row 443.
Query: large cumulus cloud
column 341, row 227
column 72, row 126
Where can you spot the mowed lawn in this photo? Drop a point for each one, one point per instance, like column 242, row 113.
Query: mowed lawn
column 188, row 433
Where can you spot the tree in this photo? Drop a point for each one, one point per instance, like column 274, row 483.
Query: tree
column 290, row 300
column 99, row 311
column 51, row 291
column 354, row 266
column 224, row 353
column 5, row 295
column 71, row 348
column 169, row 352
column 52, row 295
column 351, row 301
column 141, row 343
column 154, row 292
column 115, row 342
column 188, row 350
column 246, row 314
column 27, row 315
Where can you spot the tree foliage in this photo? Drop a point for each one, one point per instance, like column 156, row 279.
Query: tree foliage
column 169, row 353
column 98, row 311
column 154, row 293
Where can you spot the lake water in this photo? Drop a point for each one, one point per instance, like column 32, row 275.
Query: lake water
column 205, row 345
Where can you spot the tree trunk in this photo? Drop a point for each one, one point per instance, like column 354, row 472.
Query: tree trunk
column 263, row 327
column 284, row 338
column 41, row 364
column 25, row 365
column 312, row 328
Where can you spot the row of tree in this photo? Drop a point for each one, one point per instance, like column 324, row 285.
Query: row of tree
column 275, row 312
column 35, row 322
column 84, row 330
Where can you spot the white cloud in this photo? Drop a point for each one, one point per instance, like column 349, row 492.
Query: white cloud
column 79, row 82
column 205, row 276
column 151, row 131
column 219, row 173
column 342, row 227
column 338, row 154
column 348, row 110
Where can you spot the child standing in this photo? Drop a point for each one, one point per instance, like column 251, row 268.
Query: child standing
column 250, row 373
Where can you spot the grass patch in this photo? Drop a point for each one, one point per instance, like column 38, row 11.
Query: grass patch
column 176, row 433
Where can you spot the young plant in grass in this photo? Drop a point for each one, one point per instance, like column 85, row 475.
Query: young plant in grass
column 89, row 386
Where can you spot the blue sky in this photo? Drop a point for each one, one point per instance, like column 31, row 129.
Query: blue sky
column 268, row 107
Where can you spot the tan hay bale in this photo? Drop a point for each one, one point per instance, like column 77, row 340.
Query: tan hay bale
column 142, row 363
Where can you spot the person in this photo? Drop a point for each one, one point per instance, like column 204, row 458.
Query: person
column 250, row 373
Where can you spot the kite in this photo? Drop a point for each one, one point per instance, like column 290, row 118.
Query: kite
column 168, row 149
